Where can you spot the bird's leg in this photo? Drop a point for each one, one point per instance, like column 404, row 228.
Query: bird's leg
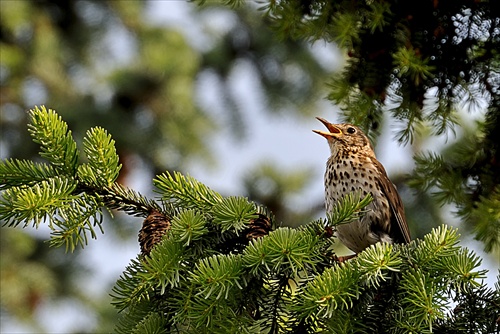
column 342, row 259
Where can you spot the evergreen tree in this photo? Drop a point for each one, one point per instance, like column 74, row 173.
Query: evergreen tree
column 214, row 264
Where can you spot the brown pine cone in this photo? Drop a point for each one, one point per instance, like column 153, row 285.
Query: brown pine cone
column 153, row 229
column 258, row 227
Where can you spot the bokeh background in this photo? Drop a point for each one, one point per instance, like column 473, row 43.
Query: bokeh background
column 206, row 90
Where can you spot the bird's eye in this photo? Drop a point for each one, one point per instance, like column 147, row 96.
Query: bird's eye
column 351, row 130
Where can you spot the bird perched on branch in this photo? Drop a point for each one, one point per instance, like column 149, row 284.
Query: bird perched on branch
column 353, row 167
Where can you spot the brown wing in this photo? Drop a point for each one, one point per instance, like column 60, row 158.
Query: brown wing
column 398, row 220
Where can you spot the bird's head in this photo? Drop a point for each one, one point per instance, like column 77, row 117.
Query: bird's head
column 345, row 137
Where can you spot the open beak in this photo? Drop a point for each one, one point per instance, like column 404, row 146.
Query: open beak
column 333, row 131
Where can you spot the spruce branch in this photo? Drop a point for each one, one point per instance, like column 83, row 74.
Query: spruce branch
column 377, row 17
column 188, row 226
column 423, row 299
column 443, row 116
column 234, row 213
column 164, row 265
column 56, row 142
column 429, row 167
column 377, row 262
column 276, row 300
column 408, row 113
column 73, row 224
column 345, row 29
column 440, row 243
column 39, row 202
column 185, row 191
column 460, row 269
column 283, row 250
column 119, row 197
column 18, row 173
column 150, row 324
column 472, row 313
column 217, row 276
column 486, row 214
column 131, row 289
column 103, row 168
column 348, row 209
column 409, row 63
column 132, row 318
column 70, row 197
column 335, row 288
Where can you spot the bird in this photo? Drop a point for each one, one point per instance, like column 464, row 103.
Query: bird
column 353, row 168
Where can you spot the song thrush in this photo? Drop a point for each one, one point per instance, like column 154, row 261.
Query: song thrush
column 353, row 167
